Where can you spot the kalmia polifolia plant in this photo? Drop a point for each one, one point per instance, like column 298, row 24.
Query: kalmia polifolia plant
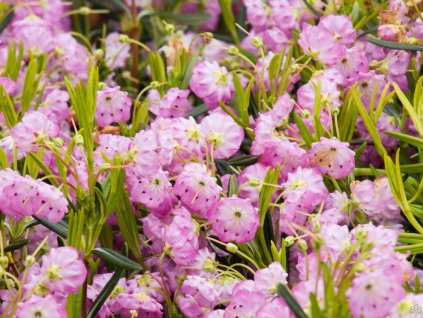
column 213, row 159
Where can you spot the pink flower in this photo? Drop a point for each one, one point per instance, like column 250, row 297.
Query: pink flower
column 155, row 192
column 281, row 109
column 332, row 157
column 305, row 186
column 234, row 219
column 289, row 155
column 266, row 279
column 319, row 43
column 181, row 238
column 275, row 308
column 306, row 95
column 375, row 198
column 37, row 306
column 34, row 126
column 252, row 173
column 245, row 303
column 196, row 296
column 36, row 34
column 113, row 106
column 352, row 64
column 197, row 190
column 257, row 14
column 212, row 83
column 341, row 28
column 409, row 307
column 222, row 134
column 373, row 294
column 64, row 269
column 174, row 104
column 23, row 196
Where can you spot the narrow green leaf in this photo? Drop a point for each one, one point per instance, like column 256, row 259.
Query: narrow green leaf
column 197, row 110
column 185, row 18
column 283, row 292
column 188, row 72
column 6, row 21
column 304, row 131
column 411, row 140
column 16, row 245
column 395, row 45
column 410, row 110
column 233, row 185
column 105, row 293
column 368, row 122
column 60, row 228
column 228, row 18
column 7, row 108
column 242, row 161
column 116, row 259
column 347, row 118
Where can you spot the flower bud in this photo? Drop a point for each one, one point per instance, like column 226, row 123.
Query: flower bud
column 257, row 42
column 302, row 245
column 4, row 261
column 232, row 50
column 154, row 84
column 98, row 54
column 84, row 11
column 169, row 28
column 289, row 241
column 254, row 182
column 232, row 248
column 79, row 140
column 29, row 260
column 123, row 38
column 101, row 85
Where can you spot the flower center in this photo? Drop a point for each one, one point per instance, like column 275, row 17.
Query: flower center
column 221, row 78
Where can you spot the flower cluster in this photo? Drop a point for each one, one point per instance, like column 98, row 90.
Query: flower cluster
column 212, row 159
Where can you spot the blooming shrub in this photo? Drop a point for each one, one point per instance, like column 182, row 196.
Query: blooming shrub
column 211, row 159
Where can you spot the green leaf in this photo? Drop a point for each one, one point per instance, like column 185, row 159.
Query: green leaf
column 395, row 45
column 283, row 292
column 105, row 293
column 60, row 228
column 75, row 228
column 47, row 171
column 5, row 21
column 7, row 108
column 304, row 131
column 243, row 100
column 411, row 140
column 410, row 110
column 30, row 85
column 232, row 185
column 125, row 214
column 197, row 110
column 228, row 18
column 73, row 304
column 317, row 124
column 371, row 127
column 114, row 258
column 393, row 173
column 184, row 18
column 242, row 161
column 16, row 245
column 188, row 72
column 347, row 119
column 311, row 8
column 14, row 60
